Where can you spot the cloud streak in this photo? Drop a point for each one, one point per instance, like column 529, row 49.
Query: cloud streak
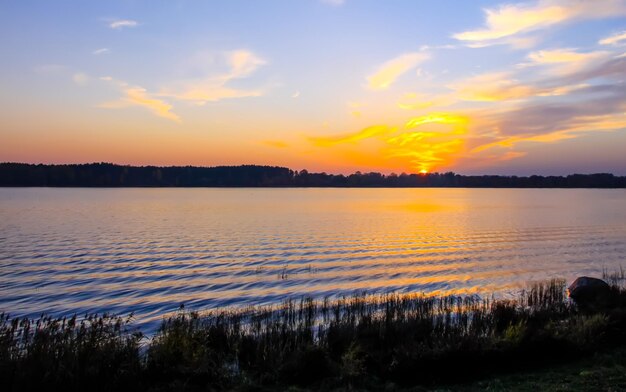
column 563, row 71
column 561, row 56
column 123, row 23
column 138, row 96
column 614, row 40
column 100, row 51
column 240, row 64
column 510, row 23
column 491, row 87
column 390, row 71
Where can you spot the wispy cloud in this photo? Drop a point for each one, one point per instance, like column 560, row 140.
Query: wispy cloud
column 615, row 39
column 243, row 63
column 240, row 64
column 490, row 87
column 574, row 126
column 561, row 56
column 613, row 67
column 391, row 70
column 101, row 51
column 509, row 23
column 562, row 62
column 561, row 71
column 138, row 96
column 436, row 118
column 436, row 47
column 539, row 118
column 208, row 91
column 123, row 23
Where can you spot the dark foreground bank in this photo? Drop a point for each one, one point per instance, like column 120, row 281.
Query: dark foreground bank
column 362, row 342
column 111, row 175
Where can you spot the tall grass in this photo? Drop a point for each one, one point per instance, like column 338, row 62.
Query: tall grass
column 97, row 350
column 357, row 341
column 617, row 278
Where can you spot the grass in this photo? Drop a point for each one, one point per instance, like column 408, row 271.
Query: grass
column 97, row 350
column 358, row 343
column 604, row 371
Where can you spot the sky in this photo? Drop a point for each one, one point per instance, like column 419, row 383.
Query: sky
column 474, row 87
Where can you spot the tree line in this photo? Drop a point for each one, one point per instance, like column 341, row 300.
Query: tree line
column 112, row 175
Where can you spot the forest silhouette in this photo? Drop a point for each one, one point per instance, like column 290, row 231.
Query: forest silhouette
column 112, row 175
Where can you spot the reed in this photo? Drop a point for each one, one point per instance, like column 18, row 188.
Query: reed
column 359, row 341
column 95, row 350
column 617, row 278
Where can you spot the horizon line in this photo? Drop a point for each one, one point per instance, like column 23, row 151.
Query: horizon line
column 308, row 171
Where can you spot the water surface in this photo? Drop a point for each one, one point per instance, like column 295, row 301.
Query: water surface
column 149, row 250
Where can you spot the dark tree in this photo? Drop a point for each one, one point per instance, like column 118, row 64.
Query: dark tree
column 110, row 175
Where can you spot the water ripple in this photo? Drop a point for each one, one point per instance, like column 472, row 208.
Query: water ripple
column 147, row 251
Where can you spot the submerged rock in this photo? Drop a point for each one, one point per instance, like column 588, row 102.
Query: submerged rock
column 586, row 291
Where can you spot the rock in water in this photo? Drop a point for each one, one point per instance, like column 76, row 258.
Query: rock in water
column 587, row 291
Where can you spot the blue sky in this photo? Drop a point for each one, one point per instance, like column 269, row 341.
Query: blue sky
column 473, row 87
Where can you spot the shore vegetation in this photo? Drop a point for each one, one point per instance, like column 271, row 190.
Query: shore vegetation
column 361, row 342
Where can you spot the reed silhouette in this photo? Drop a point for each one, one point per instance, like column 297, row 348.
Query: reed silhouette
column 362, row 341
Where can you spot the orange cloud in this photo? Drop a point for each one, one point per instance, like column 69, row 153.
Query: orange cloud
column 137, row 96
column 434, row 147
column 439, row 118
column 428, row 155
column 350, row 138
column 418, row 150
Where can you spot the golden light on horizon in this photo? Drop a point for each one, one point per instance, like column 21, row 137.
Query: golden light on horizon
column 438, row 142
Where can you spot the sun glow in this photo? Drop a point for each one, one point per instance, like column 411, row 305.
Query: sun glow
column 439, row 141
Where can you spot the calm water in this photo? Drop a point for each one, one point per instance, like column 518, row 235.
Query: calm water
column 149, row 250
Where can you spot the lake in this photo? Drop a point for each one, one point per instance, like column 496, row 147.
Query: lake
column 147, row 251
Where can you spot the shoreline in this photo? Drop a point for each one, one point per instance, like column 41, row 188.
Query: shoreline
column 355, row 342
